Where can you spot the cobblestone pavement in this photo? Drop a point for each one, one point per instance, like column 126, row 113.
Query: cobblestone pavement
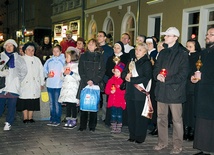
column 40, row 139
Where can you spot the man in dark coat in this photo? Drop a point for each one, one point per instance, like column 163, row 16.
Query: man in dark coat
column 204, row 135
column 107, row 52
column 171, row 71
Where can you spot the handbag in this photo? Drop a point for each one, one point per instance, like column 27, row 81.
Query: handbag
column 2, row 82
column 123, row 85
column 90, row 98
column 44, row 96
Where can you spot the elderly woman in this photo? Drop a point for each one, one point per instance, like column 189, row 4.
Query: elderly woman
column 138, row 72
column 13, row 70
column 29, row 99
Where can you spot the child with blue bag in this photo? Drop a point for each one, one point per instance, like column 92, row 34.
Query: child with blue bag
column 91, row 70
column 116, row 99
column 53, row 70
column 70, row 87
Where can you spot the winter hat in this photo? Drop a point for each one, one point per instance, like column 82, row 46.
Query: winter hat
column 121, row 45
column 120, row 66
column 10, row 41
column 28, row 44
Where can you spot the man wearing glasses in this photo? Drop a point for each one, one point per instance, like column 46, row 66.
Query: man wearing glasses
column 107, row 52
column 171, row 71
column 204, row 125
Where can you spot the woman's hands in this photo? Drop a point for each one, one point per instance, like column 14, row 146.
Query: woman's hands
column 128, row 77
column 161, row 78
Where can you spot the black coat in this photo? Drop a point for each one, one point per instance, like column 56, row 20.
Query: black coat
column 144, row 69
column 193, row 58
column 91, row 67
column 205, row 87
column 175, row 61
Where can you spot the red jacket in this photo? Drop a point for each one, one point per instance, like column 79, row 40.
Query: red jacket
column 66, row 44
column 118, row 98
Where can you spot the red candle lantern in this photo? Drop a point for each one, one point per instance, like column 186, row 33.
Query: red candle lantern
column 163, row 72
column 67, row 69
column 113, row 87
column 52, row 73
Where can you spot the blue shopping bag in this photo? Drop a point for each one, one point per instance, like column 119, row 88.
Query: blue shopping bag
column 90, row 98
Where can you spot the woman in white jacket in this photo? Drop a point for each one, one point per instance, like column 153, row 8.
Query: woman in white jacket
column 13, row 70
column 29, row 99
column 70, row 87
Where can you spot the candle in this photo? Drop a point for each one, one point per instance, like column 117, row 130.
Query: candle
column 163, row 72
column 67, row 69
column 51, row 73
column 113, row 87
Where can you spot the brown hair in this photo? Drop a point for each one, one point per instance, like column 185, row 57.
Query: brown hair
column 93, row 40
column 74, row 55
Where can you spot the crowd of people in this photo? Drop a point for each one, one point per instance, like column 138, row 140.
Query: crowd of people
column 180, row 82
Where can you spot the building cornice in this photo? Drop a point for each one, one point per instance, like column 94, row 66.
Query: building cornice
column 109, row 5
column 65, row 15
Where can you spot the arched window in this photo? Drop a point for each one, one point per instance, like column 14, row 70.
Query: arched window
column 108, row 27
column 92, row 29
column 129, row 26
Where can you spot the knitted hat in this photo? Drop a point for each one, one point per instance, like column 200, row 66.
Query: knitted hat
column 121, row 45
column 10, row 41
column 120, row 66
column 29, row 44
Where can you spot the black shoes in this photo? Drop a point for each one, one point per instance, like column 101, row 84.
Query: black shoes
column 154, row 132
column 31, row 121
column 26, row 121
column 133, row 140
column 188, row 133
column 138, row 142
column 130, row 140
column 201, row 153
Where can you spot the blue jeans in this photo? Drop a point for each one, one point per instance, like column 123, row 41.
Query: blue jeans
column 116, row 114
column 11, row 106
column 55, row 106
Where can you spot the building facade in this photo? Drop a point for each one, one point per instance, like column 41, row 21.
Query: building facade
column 147, row 17
column 25, row 20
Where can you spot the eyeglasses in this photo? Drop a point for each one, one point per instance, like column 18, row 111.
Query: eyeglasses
column 209, row 34
column 170, row 36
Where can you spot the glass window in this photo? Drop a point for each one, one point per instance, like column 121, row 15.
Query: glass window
column 193, row 30
column 110, row 31
column 211, row 19
column 193, row 24
column 211, row 16
column 130, row 29
column 92, row 33
column 194, row 18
